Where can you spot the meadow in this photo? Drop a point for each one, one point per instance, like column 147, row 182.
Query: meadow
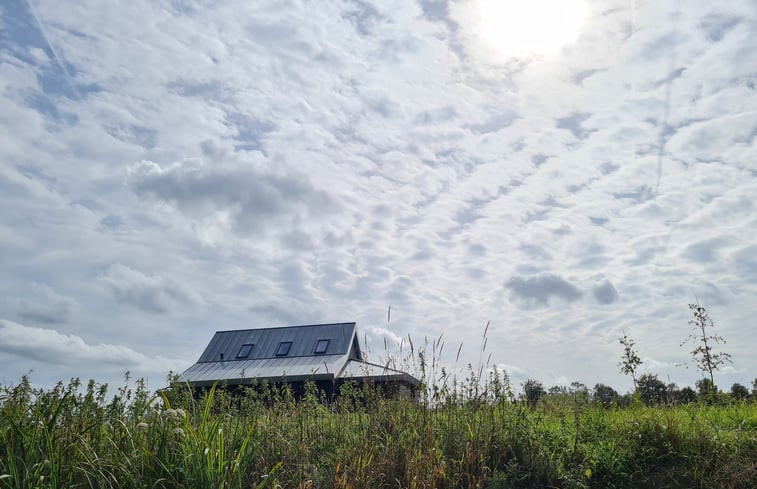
column 473, row 435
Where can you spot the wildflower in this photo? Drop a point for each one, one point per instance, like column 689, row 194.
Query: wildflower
column 172, row 415
column 181, row 413
column 142, row 426
column 178, row 432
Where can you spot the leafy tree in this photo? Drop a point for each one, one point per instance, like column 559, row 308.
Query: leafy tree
column 652, row 390
column 629, row 361
column 533, row 390
column 704, row 358
column 605, row 395
column 706, row 390
column 579, row 390
column 687, row 395
column 739, row 392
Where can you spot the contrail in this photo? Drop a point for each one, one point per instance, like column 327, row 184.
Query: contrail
column 663, row 139
column 58, row 60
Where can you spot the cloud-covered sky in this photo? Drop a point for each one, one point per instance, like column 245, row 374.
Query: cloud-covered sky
column 172, row 168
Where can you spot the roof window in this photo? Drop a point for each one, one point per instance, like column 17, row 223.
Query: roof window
column 321, row 346
column 245, row 350
column 283, row 349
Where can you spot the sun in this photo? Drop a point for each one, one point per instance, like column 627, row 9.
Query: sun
column 531, row 27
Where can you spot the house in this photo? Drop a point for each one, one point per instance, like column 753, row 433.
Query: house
column 327, row 354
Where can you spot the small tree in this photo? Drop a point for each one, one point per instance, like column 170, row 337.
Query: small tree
column 706, row 390
column 652, row 390
column 739, row 392
column 605, row 395
column 687, row 395
column 704, row 358
column 533, row 390
column 629, row 361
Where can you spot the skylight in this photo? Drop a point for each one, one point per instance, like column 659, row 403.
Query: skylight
column 322, row 346
column 244, row 352
column 283, row 349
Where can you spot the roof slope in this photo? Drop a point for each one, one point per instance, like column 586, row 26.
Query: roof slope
column 220, row 363
column 266, row 340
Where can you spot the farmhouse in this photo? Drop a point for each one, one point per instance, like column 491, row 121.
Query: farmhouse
column 327, row 354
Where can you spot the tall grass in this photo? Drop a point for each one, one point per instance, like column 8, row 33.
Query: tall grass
column 467, row 435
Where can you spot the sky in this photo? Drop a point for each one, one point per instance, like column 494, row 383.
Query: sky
column 567, row 175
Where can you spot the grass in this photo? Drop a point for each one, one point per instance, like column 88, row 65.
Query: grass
column 75, row 436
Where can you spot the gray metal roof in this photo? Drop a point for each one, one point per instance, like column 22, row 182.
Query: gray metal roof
column 271, row 369
column 341, row 360
column 219, row 361
column 266, row 340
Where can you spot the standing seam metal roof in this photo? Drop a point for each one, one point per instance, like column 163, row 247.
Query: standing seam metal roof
column 266, row 340
column 342, row 359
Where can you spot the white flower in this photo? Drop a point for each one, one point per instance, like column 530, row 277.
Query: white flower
column 172, row 415
column 142, row 426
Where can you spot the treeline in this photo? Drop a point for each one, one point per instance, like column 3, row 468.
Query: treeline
column 649, row 389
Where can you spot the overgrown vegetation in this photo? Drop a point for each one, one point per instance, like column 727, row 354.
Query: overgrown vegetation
column 471, row 434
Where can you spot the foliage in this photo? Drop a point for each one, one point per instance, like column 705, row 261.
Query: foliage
column 739, row 392
column 74, row 436
column 533, row 390
column 705, row 359
column 605, row 395
column 630, row 360
column 705, row 388
column 653, row 391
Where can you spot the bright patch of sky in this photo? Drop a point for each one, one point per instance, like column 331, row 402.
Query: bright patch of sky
column 171, row 168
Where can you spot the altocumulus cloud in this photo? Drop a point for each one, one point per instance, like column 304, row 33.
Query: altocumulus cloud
column 605, row 292
column 541, row 288
column 150, row 293
column 41, row 304
column 50, row 346
column 250, row 198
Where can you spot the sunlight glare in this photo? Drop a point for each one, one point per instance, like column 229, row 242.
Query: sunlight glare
column 531, row 27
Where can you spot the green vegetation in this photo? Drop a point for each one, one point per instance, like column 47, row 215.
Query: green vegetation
column 470, row 435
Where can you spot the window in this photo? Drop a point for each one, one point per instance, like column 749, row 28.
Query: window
column 283, row 349
column 244, row 352
column 322, row 346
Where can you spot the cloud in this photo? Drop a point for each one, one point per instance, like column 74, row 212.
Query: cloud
column 275, row 176
column 51, row 347
column 252, row 200
column 41, row 304
column 153, row 294
column 542, row 288
column 380, row 336
column 605, row 292
column 706, row 250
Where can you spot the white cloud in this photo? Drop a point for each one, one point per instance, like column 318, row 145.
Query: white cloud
column 151, row 293
column 244, row 165
column 42, row 305
column 51, row 347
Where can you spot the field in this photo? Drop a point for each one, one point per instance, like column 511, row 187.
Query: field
column 82, row 436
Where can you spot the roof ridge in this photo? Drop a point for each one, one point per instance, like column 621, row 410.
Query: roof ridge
column 286, row 327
